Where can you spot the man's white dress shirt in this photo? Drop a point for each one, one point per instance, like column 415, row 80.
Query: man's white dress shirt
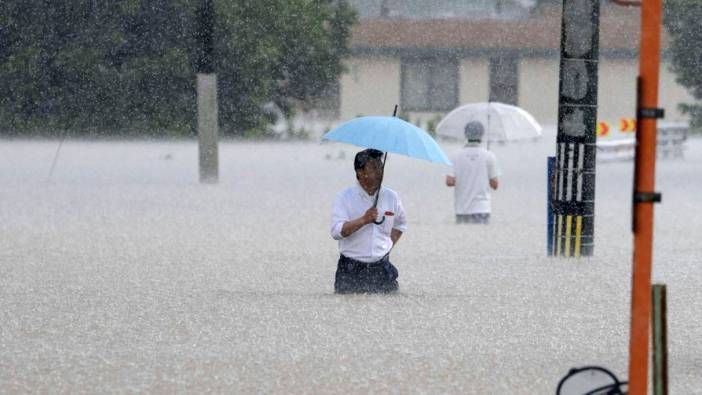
column 371, row 242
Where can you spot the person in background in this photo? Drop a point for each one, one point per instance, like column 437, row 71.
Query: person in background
column 364, row 241
column 473, row 173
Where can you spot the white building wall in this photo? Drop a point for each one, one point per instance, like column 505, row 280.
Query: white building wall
column 538, row 88
column 473, row 81
column 371, row 86
column 616, row 98
column 616, row 90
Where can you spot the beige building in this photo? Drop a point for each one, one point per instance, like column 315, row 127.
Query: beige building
column 430, row 66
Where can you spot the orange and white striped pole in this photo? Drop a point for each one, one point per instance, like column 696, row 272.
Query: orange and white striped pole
column 644, row 195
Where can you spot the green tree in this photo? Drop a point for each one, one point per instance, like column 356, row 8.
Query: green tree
column 682, row 20
column 281, row 51
column 106, row 67
column 95, row 67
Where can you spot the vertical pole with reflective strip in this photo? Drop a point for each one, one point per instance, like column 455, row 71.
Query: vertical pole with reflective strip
column 574, row 200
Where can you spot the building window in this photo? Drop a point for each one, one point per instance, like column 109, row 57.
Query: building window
column 504, row 78
column 429, row 84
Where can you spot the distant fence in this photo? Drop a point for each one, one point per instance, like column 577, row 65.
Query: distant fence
column 671, row 138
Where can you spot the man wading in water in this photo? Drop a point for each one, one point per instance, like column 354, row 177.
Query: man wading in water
column 364, row 242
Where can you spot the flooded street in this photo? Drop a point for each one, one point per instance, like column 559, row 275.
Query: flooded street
column 121, row 273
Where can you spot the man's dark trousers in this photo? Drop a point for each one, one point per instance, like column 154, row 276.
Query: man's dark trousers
column 354, row 276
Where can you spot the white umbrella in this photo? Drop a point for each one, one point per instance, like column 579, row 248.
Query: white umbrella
column 502, row 122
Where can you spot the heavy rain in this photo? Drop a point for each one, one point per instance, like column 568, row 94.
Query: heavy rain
column 169, row 170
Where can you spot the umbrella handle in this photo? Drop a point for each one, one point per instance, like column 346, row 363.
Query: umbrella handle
column 379, row 222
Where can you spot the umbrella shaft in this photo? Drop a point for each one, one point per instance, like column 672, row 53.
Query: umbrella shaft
column 380, row 184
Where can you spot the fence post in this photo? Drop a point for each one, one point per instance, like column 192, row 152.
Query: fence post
column 660, row 340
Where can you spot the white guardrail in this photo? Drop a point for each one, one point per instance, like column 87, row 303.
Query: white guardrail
column 670, row 143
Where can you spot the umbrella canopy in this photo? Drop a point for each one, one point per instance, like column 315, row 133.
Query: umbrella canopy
column 502, row 122
column 389, row 134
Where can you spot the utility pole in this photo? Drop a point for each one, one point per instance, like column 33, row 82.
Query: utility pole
column 207, row 122
column 573, row 198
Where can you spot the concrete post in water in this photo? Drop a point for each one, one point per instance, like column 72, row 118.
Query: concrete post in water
column 207, row 118
column 574, row 200
column 207, row 127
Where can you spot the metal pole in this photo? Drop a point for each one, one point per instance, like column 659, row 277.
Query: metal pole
column 574, row 200
column 644, row 195
column 207, row 115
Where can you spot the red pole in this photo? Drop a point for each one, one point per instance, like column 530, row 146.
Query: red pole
column 644, row 195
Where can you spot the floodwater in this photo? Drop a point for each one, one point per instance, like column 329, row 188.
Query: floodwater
column 121, row 273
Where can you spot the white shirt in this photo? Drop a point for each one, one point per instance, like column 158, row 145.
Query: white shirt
column 371, row 242
column 473, row 167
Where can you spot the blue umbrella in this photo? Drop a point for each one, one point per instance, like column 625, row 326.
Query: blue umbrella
column 389, row 134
